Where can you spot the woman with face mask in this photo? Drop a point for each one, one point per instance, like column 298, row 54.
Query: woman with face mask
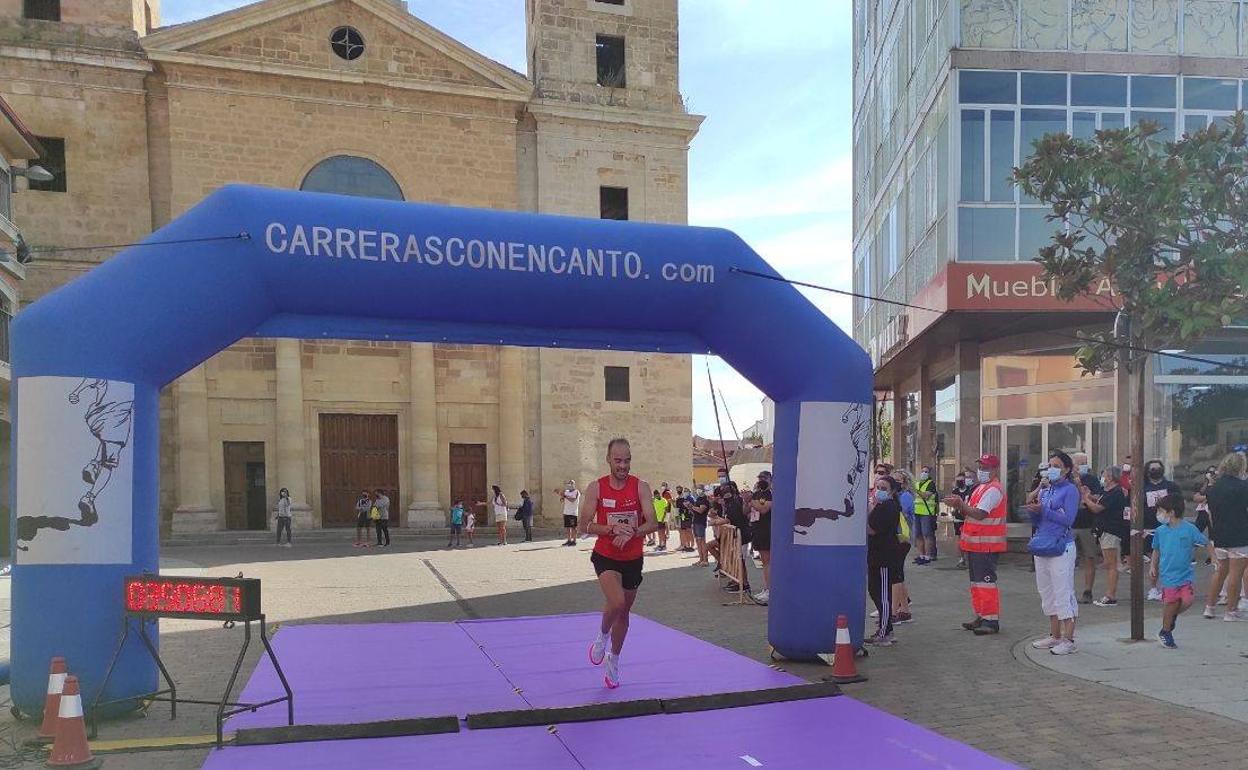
column 1053, row 517
column 1156, row 487
column 1109, row 526
column 883, row 548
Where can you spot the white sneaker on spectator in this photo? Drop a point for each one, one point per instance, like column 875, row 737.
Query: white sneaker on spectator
column 1064, row 647
column 1243, row 605
column 1232, row 616
column 875, row 613
column 1209, row 612
column 1154, row 594
column 1047, row 643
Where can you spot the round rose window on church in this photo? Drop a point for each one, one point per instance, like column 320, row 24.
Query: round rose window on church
column 347, row 43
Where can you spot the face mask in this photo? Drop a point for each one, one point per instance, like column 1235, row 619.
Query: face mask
column 1163, row 517
column 983, row 476
column 961, row 482
column 924, row 476
column 1154, row 473
column 1126, row 468
column 881, row 496
column 1085, row 468
column 1053, row 474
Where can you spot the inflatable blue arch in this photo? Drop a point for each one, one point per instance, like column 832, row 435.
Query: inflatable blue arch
column 89, row 361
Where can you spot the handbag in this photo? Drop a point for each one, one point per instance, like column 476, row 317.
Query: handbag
column 1047, row 543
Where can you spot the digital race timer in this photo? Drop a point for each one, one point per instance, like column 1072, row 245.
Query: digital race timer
column 196, row 598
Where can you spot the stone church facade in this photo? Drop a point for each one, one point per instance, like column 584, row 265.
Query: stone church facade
column 362, row 97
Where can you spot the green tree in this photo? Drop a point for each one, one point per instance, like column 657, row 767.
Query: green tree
column 1166, row 225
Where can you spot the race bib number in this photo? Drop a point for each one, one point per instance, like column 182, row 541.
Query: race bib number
column 1126, row 514
column 1154, row 496
column 628, row 517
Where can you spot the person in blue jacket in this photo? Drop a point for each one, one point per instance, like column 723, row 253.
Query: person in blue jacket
column 1053, row 517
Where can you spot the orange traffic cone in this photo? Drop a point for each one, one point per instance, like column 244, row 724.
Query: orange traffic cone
column 71, row 749
column 843, row 669
column 52, row 703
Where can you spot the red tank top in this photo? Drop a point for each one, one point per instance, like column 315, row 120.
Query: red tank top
column 618, row 506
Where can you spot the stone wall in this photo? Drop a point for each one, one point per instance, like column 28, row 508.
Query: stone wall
column 563, row 53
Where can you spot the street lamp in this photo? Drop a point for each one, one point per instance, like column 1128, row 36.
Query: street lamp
column 34, row 173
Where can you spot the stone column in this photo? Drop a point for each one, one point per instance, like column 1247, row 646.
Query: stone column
column 926, row 433
column 512, row 465
column 424, row 511
column 194, row 514
column 968, row 433
column 292, row 469
column 899, row 425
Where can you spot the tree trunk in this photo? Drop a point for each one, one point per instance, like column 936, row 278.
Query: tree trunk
column 1137, row 501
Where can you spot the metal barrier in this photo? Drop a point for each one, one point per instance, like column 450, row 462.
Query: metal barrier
column 732, row 561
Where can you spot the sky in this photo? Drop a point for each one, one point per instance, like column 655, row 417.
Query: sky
column 773, row 160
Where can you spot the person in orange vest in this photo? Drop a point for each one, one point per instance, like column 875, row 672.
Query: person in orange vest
column 983, row 541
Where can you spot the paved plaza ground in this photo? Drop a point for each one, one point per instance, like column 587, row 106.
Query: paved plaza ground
column 1112, row 705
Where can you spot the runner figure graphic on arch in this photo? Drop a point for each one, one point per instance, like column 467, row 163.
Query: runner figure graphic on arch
column 615, row 508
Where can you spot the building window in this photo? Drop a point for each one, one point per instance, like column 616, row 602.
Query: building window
column 53, row 159
column 46, row 10
column 613, row 202
column 351, row 175
column 347, row 43
column 616, row 378
column 611, row 61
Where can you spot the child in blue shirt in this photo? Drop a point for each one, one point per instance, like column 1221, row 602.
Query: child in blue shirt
column 1173, row 541
column 457, row 523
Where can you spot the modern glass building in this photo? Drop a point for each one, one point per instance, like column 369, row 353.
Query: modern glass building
column 948, row 97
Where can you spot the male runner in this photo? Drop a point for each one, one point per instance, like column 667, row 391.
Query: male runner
column 617, row 509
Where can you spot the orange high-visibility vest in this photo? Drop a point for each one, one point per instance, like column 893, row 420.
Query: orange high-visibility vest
column 985, row 535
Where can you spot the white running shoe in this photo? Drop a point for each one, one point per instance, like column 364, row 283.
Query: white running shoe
column 1047, row 643
column 1243, row 605
column 875, row 613
column 1154, row 594
column 1209, row 612
column 1064, row 647
column 763, row 596
column 1233, row 616
column 611, row 677
column 598, row 650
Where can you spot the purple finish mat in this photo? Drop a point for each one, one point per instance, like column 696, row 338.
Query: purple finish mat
column 371, row 672
column 360, row 673
column 548, row 659
column 798, row 735
column 520, row 748
column 826, row 732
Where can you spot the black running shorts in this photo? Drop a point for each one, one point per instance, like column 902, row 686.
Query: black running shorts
column 630, row 571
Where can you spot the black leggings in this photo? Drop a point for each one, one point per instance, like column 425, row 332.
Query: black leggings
column 283, row 522
column 383, row 528
column 880, row 585
column 527, row 521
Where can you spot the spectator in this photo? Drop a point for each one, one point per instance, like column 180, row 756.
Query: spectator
column 1086, row 545
column 363, row 522
column 883, row 554
column 760, row 534
column 470, row 524
column 1112, row 530
column 1173, row 541
column 457, row 524
column 734, row 515
column 684, row 519
column 525, row 515
column 283, row 515
column 700, row 508
column 661, row 507
column 963, row 488
column 381, row 517
column 1228, row 514
column 926, row 500
column 498, row 504
column 570, row 496
column 983, row 541
column 905, row 533
column 1202, row 507
column 1156, row 486
column 1124, row 480
column 1053, row 516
